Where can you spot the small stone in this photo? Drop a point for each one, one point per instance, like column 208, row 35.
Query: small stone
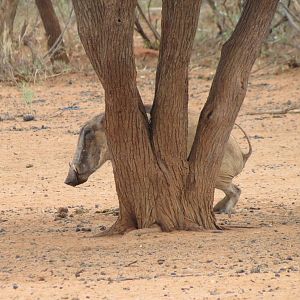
column 102, row 228
column 79, row 211
column 160, row 261
column 62, row 212
column 86, row 229
column 15, row 286
column 41, row 278
column 214, row 292
column 77, row 274
column 29, row 166
column 28, row 117
column 255, row 269
column 62, row 209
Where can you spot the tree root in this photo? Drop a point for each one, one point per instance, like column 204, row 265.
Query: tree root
column 119, row 227
column 192, row 226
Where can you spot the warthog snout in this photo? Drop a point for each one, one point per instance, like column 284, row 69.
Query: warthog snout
column 74, row 178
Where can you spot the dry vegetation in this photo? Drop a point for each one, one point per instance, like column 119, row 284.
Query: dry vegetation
column 26, row 58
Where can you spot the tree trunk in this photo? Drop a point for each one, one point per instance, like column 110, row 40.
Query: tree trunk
column 53, row 31
column 156, row 180
column 8, row 9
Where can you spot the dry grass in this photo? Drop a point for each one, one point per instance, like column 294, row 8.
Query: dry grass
column 24, row 59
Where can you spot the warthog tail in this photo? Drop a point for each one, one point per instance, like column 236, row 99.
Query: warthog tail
column 246, row 155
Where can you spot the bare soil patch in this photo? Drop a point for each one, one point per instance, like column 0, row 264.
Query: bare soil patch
column 47, row 256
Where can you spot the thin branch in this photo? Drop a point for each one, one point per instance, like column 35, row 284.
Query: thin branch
column 281, row 21
column 153, row 30
column 138, row 28
column 291, row 17
column 213, row 7
column 293, row 109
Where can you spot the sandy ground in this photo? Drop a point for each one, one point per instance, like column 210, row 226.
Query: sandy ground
column 43, row 257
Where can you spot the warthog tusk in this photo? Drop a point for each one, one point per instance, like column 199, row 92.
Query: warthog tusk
column 72, row 166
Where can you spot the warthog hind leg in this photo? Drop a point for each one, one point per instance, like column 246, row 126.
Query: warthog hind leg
column 227, row 204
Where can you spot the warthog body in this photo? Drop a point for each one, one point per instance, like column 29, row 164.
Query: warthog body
column 92, row 152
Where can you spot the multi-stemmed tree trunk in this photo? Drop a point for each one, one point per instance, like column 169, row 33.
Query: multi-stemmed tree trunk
column 53, row 31
column 157, row 181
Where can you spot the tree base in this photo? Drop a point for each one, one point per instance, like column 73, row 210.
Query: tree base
column 120, row 227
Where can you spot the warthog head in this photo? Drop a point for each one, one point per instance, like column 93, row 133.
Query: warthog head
column 91, row 151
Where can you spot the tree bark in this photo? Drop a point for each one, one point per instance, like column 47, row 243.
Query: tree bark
column 226, row 96
column 53, row 31
column 8, row 9
column 156, row 180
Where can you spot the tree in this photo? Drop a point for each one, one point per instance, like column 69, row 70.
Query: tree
column 157, row 181
column 8, row 9
column 53, row 31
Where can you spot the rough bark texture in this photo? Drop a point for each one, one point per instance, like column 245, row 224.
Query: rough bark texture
column 226, row 96
column 52, row 28
column 8, row 11
column 156, row 181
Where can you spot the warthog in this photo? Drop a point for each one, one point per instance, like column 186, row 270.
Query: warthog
column 92, row 152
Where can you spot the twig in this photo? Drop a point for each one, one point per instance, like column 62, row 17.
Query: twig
column 281, row 21
column 291, row 17
column 263, row 67
column 213, row 7
column 293, row 109
column 131, row 263
column 154, row 31
column 140, row 30
column 120, row 279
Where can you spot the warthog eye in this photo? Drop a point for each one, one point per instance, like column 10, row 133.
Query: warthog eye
column 87, row 131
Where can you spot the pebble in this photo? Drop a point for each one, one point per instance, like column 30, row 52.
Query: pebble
column 28, row 117
column 86, row 229
column 255, row 269
column 62, row 212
